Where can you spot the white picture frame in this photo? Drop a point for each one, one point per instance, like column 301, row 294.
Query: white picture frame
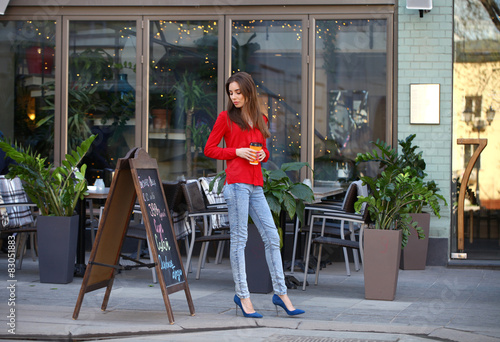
column 424, row 104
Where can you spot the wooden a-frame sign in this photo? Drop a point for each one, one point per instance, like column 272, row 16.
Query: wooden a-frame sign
column 136, row 178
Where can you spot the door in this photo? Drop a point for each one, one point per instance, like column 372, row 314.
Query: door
column 272, row 51
column 351, row 93
column 102, row 76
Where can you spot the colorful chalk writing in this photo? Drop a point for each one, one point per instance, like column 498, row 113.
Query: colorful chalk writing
column 160, row 224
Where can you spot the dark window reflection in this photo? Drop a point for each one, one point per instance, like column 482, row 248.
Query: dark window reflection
column 350, row 95
column 27, row 68
column 101, row 92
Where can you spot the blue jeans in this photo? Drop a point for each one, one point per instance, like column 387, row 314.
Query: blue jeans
column 242, row 200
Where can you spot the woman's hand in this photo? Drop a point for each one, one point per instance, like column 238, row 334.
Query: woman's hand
column 261, row 155
column 249, row 154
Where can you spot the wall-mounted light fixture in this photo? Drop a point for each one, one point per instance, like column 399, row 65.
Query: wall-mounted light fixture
column 3, row 6
column 477, row 122
column 424, row 6
column 490, row 115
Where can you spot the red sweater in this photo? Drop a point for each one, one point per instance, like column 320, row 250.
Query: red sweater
column 238, row 170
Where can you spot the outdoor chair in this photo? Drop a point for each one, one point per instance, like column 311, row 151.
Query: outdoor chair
column 17, row 217
column 215, row 200
column 346, row 205
column 325, row 235
column 137, row 230
column 198, row 211
column 178, row 210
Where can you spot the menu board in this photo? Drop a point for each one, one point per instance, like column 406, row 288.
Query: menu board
column 136, row 179
column 156, row 212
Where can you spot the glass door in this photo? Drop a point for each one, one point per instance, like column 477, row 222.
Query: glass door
column 271, row 51
column 28, row 70
column 183, row 66
column 101, row 96
column 351, row 68
column 476, row 104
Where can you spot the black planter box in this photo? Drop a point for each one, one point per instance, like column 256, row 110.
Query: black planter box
column 258, row 276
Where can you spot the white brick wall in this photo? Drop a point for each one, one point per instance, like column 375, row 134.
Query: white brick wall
column 425, row 47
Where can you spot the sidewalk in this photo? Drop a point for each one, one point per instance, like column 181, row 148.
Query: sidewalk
column 438, row 304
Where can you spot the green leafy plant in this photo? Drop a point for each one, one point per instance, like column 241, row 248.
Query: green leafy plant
column 391, row 196
column 390, row 160
column 200, row 133
column 400, row 188
column 282, row 194
column 55, row 191
column 90, row 68
column 88, row 72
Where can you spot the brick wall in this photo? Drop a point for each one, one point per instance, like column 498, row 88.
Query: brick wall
column 425, row 55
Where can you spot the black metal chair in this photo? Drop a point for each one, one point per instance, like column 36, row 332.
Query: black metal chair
column 197, row 209
column 214, row 200
column 337, row 236
column 346, row 205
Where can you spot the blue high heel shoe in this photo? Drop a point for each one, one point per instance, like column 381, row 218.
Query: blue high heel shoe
column 237, row 301
column 278, row 302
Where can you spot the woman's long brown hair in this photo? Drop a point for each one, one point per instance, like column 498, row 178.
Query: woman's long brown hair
column 249, row 91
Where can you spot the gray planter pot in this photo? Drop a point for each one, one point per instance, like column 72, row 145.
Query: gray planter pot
column 57, row 239
column 258, row 276
column 382, row 252
column 414, row 255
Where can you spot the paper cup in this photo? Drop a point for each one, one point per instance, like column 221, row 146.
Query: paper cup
column 257, row 147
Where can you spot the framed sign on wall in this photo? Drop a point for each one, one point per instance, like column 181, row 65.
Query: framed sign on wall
column 424, row 104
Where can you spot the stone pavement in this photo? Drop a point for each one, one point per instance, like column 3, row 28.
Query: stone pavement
column 437, row 304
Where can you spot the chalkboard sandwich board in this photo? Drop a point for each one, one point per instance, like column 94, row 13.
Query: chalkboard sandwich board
column 136, row 179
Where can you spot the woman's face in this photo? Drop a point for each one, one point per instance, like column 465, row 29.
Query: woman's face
column 235, row 95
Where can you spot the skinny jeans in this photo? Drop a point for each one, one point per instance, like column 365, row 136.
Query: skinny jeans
column 243, row 200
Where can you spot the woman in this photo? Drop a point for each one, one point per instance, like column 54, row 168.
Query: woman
column 240, row 125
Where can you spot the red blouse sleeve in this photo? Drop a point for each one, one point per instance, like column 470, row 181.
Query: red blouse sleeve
column 212, row 149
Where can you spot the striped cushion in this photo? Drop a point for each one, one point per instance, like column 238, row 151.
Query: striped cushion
column 12, row 191
column 218, row 221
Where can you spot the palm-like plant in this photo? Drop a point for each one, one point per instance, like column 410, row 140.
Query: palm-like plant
column 55, row 191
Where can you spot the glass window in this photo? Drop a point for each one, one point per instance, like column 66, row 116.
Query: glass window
column 271, row 51
column 182, row 96
column 476, row 84
column 27, row 70
column 101, row 91
column 350, row 94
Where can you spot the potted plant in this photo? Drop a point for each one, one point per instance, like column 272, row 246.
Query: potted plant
column 55, row 191
column 158, row 111
column 161, row 95
column 393, row 195
column 414, row 253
